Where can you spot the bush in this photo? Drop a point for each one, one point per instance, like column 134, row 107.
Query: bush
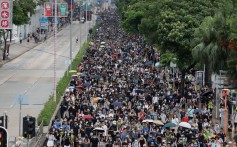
column 50, row 106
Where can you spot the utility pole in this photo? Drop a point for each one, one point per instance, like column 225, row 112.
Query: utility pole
column 86, row 21
column 71, row 38
column 20, row 98
column 55, row 46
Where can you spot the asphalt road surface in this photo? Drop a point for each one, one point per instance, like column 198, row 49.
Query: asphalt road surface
column 31, row 74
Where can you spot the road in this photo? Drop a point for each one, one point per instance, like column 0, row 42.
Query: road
column 32, row 74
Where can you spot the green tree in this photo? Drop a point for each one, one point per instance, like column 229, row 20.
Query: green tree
column 170, row 24
column 21, row 9
column 210, row 50
column 166, row 58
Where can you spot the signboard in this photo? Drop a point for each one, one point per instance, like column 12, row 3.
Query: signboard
column 44, row 23
column 172, row 65
column 6, row 14
column 200, row 78
column 62, row 9
column 88, row 6
column 58, row 20
column 48, row 9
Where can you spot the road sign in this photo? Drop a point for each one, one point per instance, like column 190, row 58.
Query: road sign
column 58, row 20
column 43, row 19
column 6, row 14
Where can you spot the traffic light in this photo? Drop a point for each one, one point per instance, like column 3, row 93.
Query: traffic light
column 3, row 137
column 28, row 127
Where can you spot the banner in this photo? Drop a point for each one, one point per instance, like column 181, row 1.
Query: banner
column 6, row 14
column 62, row 9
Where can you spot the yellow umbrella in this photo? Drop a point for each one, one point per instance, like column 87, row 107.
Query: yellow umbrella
column 158, row 122
column 79, row 73
column 72, row 71
column 91, row 43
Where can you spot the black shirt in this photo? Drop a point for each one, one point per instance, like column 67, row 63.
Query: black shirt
column 94, row 141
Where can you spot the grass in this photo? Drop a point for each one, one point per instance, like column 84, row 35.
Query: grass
column 50, row 106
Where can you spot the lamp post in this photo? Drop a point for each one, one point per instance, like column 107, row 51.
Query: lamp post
column 55, row 46
column 71, row 38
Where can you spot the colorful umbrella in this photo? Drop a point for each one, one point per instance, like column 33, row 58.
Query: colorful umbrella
column 168, row 125
column 72, row 71
column 87, row 84
column 87, row 117
column 117, row 103
column 82, row 75
column 159, row 122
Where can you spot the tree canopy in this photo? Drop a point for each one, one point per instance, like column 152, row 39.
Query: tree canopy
column 181, row 27
column 21, row 9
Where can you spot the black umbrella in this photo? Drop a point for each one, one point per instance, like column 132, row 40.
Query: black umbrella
column 207, row 93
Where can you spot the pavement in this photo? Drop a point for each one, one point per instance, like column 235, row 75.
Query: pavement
column 29, row 72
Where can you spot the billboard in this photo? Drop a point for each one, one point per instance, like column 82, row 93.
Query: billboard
column 6, row 14
column 62, row 9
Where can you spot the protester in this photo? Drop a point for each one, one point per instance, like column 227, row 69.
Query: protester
column 122, row 97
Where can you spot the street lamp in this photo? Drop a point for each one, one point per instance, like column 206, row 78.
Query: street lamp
column 71, row 38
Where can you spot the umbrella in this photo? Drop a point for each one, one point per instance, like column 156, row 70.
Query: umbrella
column 87, row 84
column 98, row 129
column 170, row 96
column 139, row 91
column 148, row 63
column 126, row 59
column 87, row 117
column 95, row 76
column 168, row 125
column 197, row 110
column 185, row 125
column 157, row 64
column 117, row 103
column 102, row 46
column 83, row 75
column 158, row 122
column 72, row 71
column 148, row 120
column 207, row 93
column 126, row 53
column 102, row 43
column 71, row 87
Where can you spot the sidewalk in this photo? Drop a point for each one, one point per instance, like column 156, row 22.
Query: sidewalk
column 17, row 49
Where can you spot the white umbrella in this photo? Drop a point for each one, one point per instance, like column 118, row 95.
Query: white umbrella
column 102, row 116
column 98, row 129
column 185, row 125
column 148, row 120
column 102, row 43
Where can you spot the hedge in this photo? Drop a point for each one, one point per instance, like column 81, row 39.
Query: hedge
column 50, row 106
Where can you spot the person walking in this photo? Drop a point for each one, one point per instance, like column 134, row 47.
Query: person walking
column 20, row 38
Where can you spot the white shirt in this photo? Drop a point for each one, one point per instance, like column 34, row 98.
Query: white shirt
column 175, row 121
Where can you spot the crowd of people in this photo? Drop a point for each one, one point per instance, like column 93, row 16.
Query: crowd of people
column 121, row 97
